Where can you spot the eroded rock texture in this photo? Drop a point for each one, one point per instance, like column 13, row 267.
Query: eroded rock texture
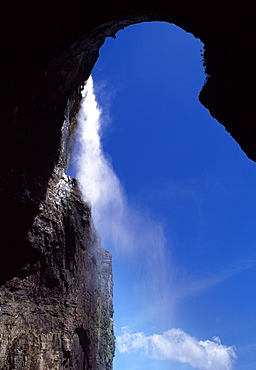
column 60, row 315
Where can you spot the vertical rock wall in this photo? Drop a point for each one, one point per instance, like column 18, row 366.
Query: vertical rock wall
column 60, row 316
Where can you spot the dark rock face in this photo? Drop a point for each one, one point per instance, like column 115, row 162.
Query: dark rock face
column 56, row 310
column 56, row 282
column 60, row 315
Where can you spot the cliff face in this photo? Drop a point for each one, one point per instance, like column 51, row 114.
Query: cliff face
column 56, row 292
column 60, row 315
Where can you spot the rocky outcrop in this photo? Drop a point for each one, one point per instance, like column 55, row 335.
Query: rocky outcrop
column 60, row 315
column 56, row 309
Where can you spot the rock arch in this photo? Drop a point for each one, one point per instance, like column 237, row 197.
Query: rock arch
column 48, row 52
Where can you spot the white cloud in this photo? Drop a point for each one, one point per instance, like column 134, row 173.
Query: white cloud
column 176, row 345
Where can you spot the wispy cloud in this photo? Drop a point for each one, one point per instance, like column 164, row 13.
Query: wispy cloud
column 176, row 345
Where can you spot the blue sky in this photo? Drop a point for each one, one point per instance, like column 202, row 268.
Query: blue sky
column 175, row 203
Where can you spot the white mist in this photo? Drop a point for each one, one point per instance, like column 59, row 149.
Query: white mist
column 134, row 236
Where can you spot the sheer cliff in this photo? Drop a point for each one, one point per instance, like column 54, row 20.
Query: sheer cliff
column 59, row 316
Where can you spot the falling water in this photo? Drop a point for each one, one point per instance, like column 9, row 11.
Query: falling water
column 126, row 230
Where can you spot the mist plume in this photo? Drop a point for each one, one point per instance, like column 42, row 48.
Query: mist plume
column 132, row 235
